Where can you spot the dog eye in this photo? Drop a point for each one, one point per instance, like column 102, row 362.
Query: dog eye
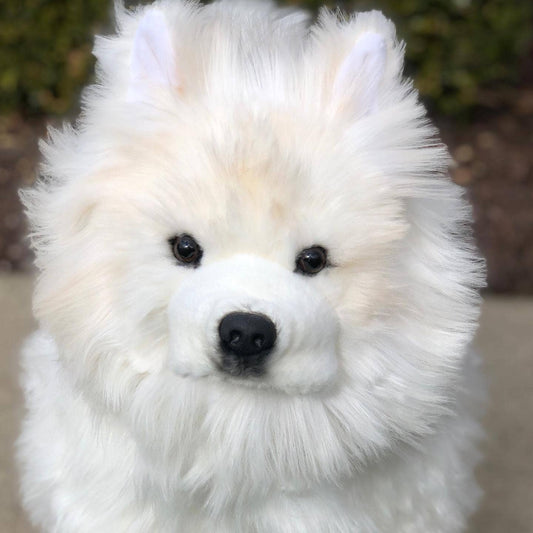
column 311, row 260
column 186, row 250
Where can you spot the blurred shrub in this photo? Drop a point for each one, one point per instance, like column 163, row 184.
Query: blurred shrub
column 455, row 47
column 45, row 50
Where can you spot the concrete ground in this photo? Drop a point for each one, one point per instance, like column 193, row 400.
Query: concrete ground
column 505, row 339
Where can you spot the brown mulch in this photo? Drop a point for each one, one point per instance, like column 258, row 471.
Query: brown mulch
column 494, row 160
column 18, row 157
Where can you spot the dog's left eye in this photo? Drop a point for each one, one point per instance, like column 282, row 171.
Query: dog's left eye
column 186, row 250
column 311, row 260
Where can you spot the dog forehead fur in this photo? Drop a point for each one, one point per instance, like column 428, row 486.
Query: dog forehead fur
column 260, row 141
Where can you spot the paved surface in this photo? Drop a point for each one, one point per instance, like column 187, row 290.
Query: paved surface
column 505, row 338
column 15, row 324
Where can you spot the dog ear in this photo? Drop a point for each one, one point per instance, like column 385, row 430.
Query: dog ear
column 152, row 63
column 370, row 67
column 363, row 71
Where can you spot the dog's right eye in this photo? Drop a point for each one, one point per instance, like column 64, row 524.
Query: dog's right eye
column 186, row 250
column 311, row 260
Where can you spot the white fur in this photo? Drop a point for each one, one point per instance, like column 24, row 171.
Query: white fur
column 152, row 63
column 260, row 136
column 364, row 65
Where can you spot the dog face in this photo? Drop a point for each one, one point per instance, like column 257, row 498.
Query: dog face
column 248, row 214
column 249, row 250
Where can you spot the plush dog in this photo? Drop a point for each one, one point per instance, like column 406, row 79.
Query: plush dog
column 257, row 288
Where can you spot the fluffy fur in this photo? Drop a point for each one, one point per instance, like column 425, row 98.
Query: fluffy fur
column 259, row 135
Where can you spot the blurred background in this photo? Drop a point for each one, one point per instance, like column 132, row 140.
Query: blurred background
column 472, row 61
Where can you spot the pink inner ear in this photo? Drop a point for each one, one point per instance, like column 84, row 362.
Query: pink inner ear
column 152, row 60
column 362, row 71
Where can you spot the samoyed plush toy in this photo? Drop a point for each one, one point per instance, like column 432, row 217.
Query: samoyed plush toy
column 257, row 288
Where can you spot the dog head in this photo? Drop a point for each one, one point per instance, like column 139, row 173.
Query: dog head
column 250, row 243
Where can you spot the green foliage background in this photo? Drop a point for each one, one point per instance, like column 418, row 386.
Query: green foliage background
column 455, row 48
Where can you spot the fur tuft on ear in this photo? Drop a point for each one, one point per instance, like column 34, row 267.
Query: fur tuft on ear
column 366, row 62
column 365, row 66
column 153, row 62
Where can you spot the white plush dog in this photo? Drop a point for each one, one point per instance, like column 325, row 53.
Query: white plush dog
column 257, row 288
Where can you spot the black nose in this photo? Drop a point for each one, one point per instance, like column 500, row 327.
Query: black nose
column 246, row 339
